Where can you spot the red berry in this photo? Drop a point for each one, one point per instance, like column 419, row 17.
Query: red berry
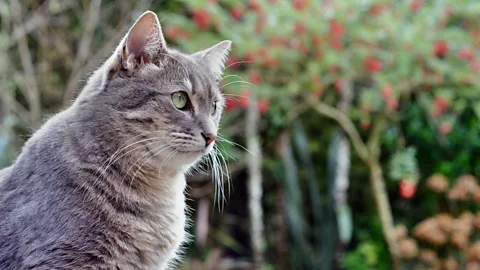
column 172, row 32
column 336, row 28
column 366, row 108
column 448, row 11
column 372, row 64
column 263, row 106
column 334, row 69
column 466, row 54
column 445, row 128
column 392, row 104
column 261, row 22
column 389, row 97
column 336, row 43
column 365, row 123
column 441, row 48
column 201, row 18
column 318, row 92
column 387, row 91
column 299, row 4
column 377, row 9
column 475, row 65
column 236, row 12
column 233, row 62
column 272, row 62
column 407, row 189
column 440, row 106
column 299, row 28
column 249, row 58
column 316, row 80
column 245, row 99
column 415, row 5
column 254, row 77
column 185, row 35
column 339, row 85
column 277, row 41
column 253, row 4
column 263, row 53
column 231, row 104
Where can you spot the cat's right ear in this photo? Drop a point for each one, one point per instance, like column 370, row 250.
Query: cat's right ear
column 143, row 43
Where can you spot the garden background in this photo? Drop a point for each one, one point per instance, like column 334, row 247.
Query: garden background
column 356, row 124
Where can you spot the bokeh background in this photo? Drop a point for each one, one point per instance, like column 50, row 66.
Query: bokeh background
column 355, row 124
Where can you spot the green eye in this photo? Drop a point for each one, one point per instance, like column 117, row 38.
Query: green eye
column 214, row 108
column 180, row 100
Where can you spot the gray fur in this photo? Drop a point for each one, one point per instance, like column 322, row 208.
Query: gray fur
column 96, row 187
column 3, row 173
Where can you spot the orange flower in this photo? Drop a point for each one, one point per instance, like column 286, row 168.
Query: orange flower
column 428, row 256
column 450, row 264
column 474, row 251
column 400, row 232
column 408, row 248
column 438, row 183
column 459, row 239
column 444, row 222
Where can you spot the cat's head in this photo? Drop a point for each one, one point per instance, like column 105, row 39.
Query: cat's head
column 169, row 99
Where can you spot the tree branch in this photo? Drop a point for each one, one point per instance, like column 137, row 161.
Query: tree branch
column 344, row 121
column 83, row 49
column 255, row 189
column 373, row 143
column 32, row 94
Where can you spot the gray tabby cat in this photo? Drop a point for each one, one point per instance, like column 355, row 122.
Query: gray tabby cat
column 101, row 185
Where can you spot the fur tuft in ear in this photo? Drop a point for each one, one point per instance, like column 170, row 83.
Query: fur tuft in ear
column 143, row 41
column 214, row 57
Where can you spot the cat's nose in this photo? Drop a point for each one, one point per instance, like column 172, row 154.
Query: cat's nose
column 209, row 138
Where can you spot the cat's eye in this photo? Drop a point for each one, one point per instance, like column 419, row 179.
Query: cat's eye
column 214, row 108
column 180, row 100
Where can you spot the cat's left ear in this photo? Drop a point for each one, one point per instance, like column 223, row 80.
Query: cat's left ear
column 214, row 57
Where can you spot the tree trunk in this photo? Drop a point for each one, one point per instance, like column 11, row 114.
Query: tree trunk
column 255, row 189
column 384, row 209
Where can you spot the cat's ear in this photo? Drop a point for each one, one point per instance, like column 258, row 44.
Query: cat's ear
column 214, row 57
column 143, row 42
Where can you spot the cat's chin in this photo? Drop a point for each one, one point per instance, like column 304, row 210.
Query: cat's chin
column 180, row 161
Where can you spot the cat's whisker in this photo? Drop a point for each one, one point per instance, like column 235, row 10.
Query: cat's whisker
column 101, row 172
column 222, row 139
column 224, row 151
column 236, row 99
column 218, row 177
column 166, row 159
column 140, row 158
column 131, row 150
column 123, row 147
column 143, row 164
column 224, row 164
column 232, row 75
column 215, row 193
column 245, row 82
column 238, row 63
column 233, row 95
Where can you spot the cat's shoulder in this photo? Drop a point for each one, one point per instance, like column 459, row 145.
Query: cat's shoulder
column 3, row 173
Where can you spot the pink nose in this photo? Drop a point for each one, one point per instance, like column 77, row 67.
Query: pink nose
column 209, row 138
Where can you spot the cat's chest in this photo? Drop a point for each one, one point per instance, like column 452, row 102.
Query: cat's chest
column 158, row 239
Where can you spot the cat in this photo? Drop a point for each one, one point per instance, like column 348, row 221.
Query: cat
column 101, row 184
